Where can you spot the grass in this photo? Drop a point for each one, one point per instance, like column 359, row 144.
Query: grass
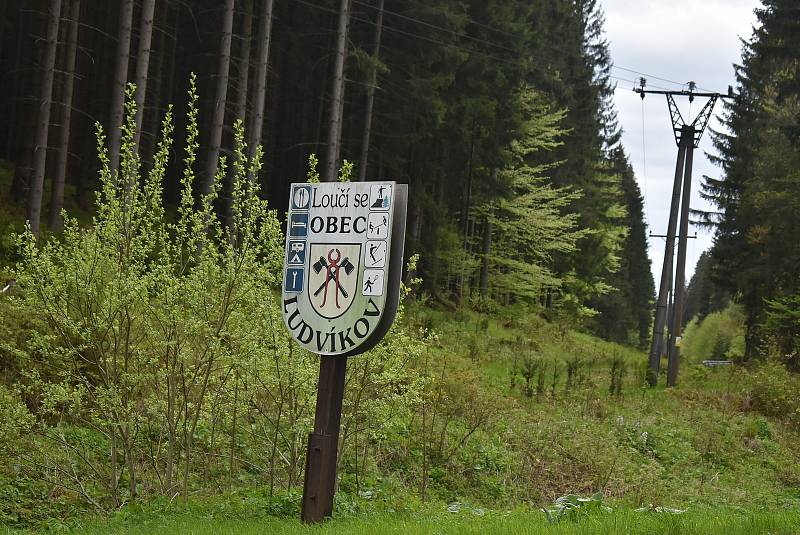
column 706, row 522
column 700, row 444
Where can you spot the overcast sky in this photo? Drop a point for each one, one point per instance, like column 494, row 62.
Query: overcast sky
column 678, row 40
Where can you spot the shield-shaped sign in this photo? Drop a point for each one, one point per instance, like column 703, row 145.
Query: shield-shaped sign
column 344, row 250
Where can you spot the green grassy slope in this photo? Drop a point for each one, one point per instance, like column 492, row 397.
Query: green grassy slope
column 698, row 445
column 517, row 523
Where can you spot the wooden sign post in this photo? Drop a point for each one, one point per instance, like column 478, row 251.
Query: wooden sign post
column 341, row 288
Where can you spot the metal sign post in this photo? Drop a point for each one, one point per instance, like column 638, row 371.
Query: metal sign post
column 341, row 288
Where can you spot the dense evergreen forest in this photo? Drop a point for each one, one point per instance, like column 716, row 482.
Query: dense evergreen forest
column 756, row 253
column 498, row 115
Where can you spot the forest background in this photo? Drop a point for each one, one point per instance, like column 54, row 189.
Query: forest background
column 449, row 97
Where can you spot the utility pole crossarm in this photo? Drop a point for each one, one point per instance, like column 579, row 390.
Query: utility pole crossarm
column 690, row 94
column 702, row 120
column 677, row 119
column 690, row 237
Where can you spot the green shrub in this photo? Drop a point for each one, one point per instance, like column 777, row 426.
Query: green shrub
column 719, row 336
column 15, row 420
column 154, row 360
column 782, row 329
column 776, row 392
column 758, row 428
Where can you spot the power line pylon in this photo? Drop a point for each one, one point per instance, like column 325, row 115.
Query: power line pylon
column 687, row 137
column 662, row 348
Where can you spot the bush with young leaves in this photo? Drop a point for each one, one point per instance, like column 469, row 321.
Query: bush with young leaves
column 156, row 361
column 145, row 316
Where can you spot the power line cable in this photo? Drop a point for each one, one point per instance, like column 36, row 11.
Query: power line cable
column 633, row 82
column 644, row 168
column 477, row 40
column 502, row 47
column 435, row 26
column 443, row 43
column 634, row 71
column 417, row 36
column 491, row 43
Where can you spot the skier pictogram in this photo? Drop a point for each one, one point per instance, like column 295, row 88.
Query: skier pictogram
column 376, row 254
column 333, row 272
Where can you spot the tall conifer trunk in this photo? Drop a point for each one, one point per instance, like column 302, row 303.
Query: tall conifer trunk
column 485, row 251
column 223, row 70
column 244, row 61
column 260, row 82
column 337, row 95
column 14, row 83
column 3, row 8
column 150, row 122
column 57, row 194
column 120, row 79
column 43, row 126
column 21, row 144
column 465, row 213
column 242, row 91
column 362, row 168
column 143, row 65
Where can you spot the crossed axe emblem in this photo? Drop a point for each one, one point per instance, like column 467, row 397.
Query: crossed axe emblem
column 333, row 267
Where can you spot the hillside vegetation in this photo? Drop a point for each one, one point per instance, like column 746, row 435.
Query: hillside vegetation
column 517, row 412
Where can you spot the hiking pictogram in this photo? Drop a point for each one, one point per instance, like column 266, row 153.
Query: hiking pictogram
column 380, row 196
